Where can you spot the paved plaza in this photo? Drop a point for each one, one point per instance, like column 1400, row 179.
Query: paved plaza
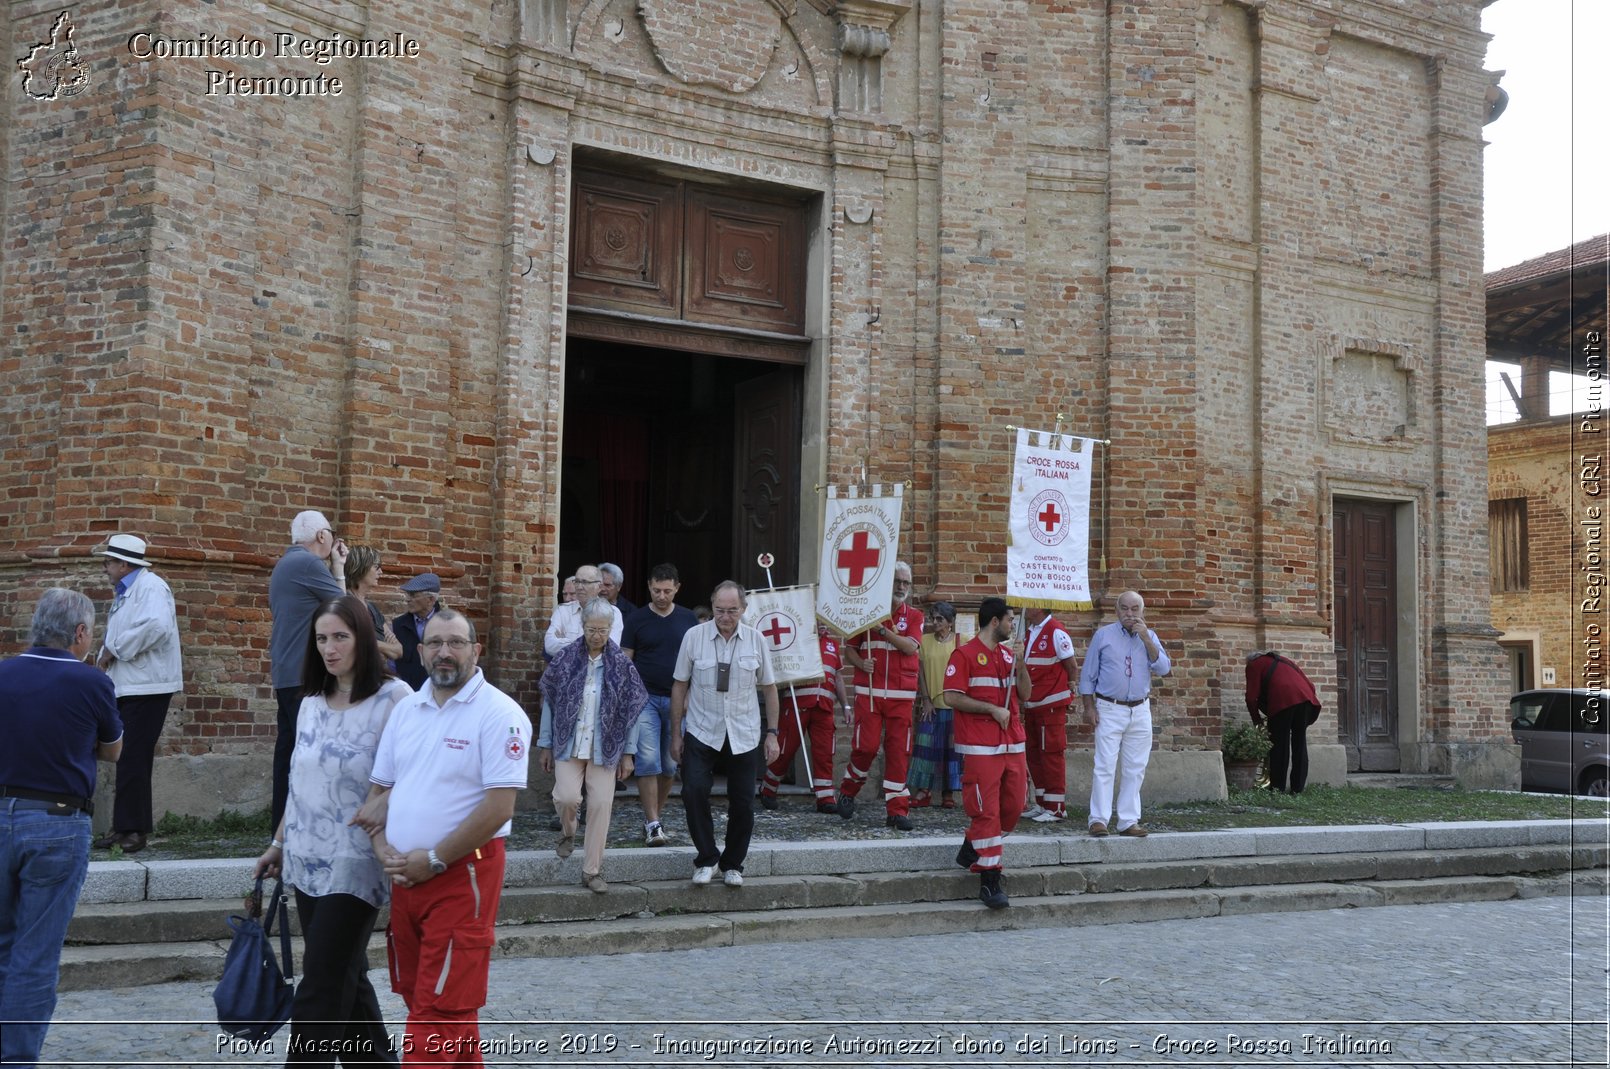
column 1498, row 983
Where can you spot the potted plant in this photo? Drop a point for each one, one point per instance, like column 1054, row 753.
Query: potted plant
column 1244, row 746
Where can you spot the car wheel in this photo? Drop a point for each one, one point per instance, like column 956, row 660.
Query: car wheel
column 1596, row 783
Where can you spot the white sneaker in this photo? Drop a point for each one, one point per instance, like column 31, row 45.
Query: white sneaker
column 1044, row 816
column 702, row 874
column 654, row 834
column 1032, row 812
column 732, row 878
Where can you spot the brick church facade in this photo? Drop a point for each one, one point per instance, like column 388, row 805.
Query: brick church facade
column 549, row 281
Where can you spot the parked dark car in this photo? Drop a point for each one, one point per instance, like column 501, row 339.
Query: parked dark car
column 1564, row 745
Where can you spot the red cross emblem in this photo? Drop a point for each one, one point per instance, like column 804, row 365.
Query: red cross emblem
column 858, row 558
column 779, row 630
column 1048, row 517
column 513, row 748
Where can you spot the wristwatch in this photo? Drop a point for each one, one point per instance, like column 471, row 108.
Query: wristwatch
column 771, row 731
column 437, row 865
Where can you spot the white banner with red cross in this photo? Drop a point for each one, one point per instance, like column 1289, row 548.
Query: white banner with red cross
column 786, row 619
column 859, row 542
column 1048, row 557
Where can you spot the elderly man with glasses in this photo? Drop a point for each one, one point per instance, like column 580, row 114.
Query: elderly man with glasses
column 564, row 628
column 312, row 572
column 719, row 667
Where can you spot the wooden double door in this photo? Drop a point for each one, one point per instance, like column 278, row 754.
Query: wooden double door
column 1365, row 575
column 683, row 458
column 684, row 379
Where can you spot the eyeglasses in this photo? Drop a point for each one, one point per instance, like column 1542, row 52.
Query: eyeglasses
column 595, row 632
column 454, row 644
column 728, row 612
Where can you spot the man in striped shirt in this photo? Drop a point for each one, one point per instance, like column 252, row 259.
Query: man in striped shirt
column 984, row 684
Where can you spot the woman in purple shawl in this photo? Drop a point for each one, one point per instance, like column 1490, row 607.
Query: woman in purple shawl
column 591, row 697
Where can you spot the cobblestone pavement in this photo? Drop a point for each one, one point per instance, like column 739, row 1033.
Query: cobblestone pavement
column 1520, row 983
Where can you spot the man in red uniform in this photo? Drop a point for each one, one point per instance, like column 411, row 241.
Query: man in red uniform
column 886, row 668
column 979, row 684
column 818, row 704
column 1053, row 675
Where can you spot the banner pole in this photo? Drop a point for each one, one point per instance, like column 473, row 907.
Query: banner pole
column 765, row 561
column 804, row 750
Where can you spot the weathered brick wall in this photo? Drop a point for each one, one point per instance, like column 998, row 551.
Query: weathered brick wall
column 1536, row 462
column 1198, row 230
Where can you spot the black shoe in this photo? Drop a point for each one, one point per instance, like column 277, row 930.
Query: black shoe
column 831, row 808
column 966, row 855
column 768, row 801
column 899, row 821
column 846, row 806
column 989, row 890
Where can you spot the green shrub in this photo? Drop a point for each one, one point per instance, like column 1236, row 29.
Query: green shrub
column 1244, row 741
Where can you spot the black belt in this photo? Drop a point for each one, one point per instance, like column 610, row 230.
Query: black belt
column 65, row 801
column 1115, row 701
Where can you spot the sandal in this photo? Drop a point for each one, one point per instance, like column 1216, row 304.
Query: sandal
column 922, row 799
column 948, row 801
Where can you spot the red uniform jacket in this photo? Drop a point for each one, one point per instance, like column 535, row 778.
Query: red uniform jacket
column 990, row 676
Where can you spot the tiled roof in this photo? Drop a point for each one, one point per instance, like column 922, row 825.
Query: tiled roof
column 1583, row 254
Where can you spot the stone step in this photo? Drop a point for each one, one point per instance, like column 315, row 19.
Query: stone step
column 230, row 878
column 130, row 943
column 1038, row 900
column 1423, row 781
column 190, row 920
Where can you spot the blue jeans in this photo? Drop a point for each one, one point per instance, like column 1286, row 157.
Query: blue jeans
column 651, row 739
column 43, row 859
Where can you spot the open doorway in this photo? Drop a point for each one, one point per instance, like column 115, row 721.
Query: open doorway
column 682, row 457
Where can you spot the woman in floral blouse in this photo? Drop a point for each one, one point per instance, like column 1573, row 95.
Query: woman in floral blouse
column 339, row 883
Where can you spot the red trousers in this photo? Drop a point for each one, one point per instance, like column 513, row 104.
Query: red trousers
column 992, row 794
column 439, row 945
column 819, row 726
column 885, row 722
column 1047, row 755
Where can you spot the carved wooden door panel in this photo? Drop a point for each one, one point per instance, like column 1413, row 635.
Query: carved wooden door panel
column 688, row 480
column 626, row 237
column 766, row 477
column 1365, row 581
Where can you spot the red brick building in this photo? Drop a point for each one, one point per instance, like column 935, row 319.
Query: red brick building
column 541, row 282
column 1545, row 476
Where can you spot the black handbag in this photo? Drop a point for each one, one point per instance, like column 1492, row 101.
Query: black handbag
column 254, row 996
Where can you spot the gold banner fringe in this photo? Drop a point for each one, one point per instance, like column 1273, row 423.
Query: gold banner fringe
column 1047, row 603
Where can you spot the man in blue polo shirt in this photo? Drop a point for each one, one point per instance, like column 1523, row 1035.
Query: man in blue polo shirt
column 651, row 638
column 58, row 715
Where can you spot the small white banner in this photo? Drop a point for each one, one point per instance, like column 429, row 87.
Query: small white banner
column 1048, row 559
column 859, row 543
column 786, row 619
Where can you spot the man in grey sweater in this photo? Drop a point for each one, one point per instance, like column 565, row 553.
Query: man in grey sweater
column 312, row 571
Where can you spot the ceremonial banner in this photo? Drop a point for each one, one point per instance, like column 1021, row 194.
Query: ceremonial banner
column 1048, row 558
column 786, row 619
column 859, row 543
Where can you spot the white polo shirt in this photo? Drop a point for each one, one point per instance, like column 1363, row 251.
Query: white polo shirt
column 712, row 716
column 564, row 628
column 439, row 763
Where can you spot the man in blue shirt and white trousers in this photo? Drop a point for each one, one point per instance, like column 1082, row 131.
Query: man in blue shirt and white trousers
column 1115, row 688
